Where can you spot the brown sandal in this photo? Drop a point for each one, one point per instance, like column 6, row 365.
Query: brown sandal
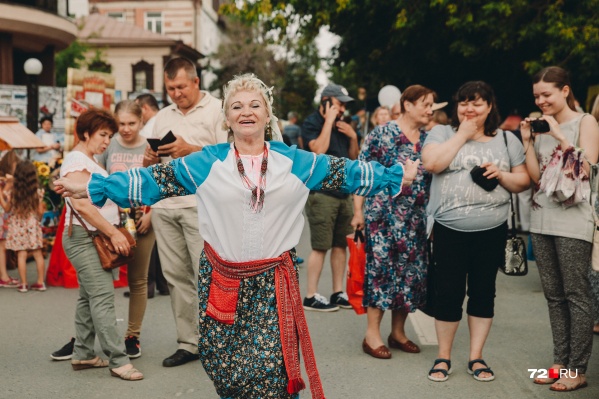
column 127, row 375
column 84, row 364
column 544, row 381
column 547, row 380
column 407, row 346
column 382, row 352
column 569, row 384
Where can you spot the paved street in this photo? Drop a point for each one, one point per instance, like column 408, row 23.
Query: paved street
column 36, row 323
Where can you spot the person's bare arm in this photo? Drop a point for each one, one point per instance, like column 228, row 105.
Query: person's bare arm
column 357, row 221
column 348, row 130
column 4, row 201
column 90, row 214
column 589, row 141
column 436, row 157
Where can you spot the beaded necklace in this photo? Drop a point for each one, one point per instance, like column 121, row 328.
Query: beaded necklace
column 257, row 200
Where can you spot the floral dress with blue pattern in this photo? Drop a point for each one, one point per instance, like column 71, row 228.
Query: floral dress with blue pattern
column 395, row 228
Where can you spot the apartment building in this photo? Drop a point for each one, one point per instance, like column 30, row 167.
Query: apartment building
column 194, row 23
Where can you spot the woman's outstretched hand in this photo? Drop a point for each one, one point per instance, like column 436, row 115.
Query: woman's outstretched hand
column 70, row 188
column 410, row 171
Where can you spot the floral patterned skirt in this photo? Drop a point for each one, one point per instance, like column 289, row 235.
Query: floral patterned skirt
column 24, row 233
column 245, row 359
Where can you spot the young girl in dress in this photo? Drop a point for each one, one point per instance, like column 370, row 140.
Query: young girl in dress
column 7, row 169
column 24, row 227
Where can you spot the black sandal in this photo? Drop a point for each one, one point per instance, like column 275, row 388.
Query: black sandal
column 442, row 371
column 476, row 373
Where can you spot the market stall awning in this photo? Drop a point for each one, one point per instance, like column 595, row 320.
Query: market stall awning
column 14, row 135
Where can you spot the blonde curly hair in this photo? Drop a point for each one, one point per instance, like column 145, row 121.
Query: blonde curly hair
column 250, row 83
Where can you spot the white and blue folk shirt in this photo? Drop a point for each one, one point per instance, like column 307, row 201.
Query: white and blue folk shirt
column 226, row 219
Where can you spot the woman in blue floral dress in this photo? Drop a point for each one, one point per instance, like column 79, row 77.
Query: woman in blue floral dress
column 395, row 227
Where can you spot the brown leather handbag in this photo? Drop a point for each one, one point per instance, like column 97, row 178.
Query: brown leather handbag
column 109, row 258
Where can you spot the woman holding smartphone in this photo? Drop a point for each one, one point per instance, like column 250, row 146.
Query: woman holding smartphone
column 562, row 228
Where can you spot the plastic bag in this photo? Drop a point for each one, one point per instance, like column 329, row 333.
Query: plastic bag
column 356, row 271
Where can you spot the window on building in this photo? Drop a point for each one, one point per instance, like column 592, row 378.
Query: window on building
column 119, row 16
column 143, row 76
column 154, row 21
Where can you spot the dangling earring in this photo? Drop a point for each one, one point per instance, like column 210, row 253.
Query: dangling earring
column 268, row 133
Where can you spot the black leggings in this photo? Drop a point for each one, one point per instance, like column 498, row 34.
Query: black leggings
column 471, row 257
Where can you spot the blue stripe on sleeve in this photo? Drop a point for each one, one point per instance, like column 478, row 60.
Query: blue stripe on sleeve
column 146, row 186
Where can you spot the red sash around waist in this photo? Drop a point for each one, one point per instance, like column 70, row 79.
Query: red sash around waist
column 222, row 304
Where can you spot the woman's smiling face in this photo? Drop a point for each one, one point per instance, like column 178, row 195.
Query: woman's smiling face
column 247, row 114
column 477, row 109
column 550, row 98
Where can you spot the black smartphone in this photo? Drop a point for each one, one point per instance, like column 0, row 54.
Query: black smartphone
column 539, row 126
column 324, row 104
column 154, row 144
column 167, row 139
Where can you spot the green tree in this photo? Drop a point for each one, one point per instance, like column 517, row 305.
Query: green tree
column 76, row 56
column 98, row 63
column 248, row 49
column 442, row 43
column 71, row 57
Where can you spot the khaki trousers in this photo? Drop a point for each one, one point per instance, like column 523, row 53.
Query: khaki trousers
column 138, row 282
column 180, row 246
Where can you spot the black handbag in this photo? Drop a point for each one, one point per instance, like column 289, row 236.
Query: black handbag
column 516, row 263
column 477, row 177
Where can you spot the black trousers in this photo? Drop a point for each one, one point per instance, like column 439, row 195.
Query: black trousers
column 466, row 263
column 156, row 279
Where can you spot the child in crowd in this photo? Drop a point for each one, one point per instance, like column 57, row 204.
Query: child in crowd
column 24, row 227
column 7, row 169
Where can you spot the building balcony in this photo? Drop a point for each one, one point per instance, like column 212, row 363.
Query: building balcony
column 32, row 28
column 35, row 27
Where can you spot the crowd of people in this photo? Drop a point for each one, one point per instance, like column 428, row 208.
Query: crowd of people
column 222, row 208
